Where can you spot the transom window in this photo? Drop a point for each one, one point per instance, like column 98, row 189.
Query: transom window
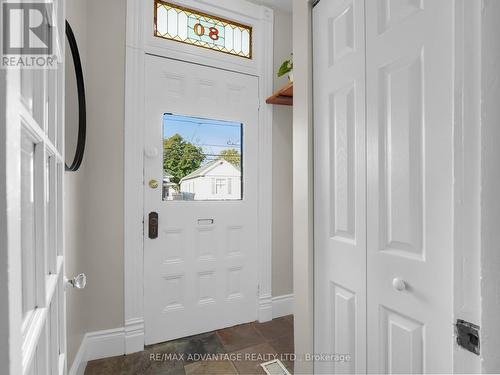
column 189, row 26
column 202, row 159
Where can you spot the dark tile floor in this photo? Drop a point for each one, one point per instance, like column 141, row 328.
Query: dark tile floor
column 235, row 350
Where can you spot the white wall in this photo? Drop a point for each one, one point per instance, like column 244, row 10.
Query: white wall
column 94, row 194
column 76, row 14
column 103, row 194
column 282, row 233
column 490, row 179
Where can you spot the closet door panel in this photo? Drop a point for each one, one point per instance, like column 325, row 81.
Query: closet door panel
column 340, row 215
column 409, row 65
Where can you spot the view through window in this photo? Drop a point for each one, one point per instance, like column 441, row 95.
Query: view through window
column 202, row 159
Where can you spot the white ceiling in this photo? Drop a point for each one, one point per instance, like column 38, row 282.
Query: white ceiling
column 284, row 5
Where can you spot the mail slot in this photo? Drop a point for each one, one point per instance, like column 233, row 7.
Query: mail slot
column 205, row 221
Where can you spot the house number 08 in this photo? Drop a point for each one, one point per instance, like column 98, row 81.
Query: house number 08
column 199, row 30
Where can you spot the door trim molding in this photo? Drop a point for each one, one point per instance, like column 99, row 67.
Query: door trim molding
column 139, row 41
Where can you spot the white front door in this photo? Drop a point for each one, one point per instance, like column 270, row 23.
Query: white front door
column 201, row 150
column 32, row 286
column 340, row 187
column 410, row 93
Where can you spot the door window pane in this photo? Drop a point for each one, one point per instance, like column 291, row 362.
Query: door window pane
column 28, row 252
column 202, row 159
column 50, row 209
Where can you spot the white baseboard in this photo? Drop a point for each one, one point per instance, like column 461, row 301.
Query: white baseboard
column 96, row 345
column 118, row 341
column 104, row 344
column 282, row 305
column 265, row 312
column 134, row 335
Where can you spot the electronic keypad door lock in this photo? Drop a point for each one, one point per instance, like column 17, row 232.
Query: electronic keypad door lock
column 153, row 225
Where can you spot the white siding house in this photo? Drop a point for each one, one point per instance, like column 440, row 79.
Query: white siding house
column 217, row 180
column 168, row 186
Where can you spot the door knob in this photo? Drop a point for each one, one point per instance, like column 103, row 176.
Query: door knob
column 398, row 284
column 78, row 282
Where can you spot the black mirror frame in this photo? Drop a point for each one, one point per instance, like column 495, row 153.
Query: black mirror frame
column 82, row 111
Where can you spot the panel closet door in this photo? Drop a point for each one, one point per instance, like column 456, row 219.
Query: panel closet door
column 410, row 185
column 340, row 186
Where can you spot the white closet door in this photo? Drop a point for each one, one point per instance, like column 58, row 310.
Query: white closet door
column 340, row 216
column 410, row 180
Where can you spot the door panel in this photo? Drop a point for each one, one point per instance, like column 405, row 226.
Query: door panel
column 410, row 180
column 34, row 255
column 200, row 273
column 401, row 344
column 339, row 133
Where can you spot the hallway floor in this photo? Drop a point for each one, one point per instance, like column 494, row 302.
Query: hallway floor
column 235, row 350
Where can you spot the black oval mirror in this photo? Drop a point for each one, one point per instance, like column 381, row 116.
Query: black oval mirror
column 75, row 107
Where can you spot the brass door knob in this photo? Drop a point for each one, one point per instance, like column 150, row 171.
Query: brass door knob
column 153, row 184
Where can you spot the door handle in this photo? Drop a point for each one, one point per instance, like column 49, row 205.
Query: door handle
column 398, row 284
column 78, row 282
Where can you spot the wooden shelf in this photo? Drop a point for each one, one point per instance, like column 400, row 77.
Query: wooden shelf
column 284, row 96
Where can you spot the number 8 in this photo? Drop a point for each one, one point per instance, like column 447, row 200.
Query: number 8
column 214, row 33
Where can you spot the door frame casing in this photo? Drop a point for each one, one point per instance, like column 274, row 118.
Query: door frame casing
column 139, row 42
column 10, row 234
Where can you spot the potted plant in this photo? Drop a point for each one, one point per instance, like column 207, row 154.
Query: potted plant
column 287, row 68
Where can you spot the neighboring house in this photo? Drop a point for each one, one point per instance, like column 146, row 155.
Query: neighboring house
column 216, row 180
column 168, row 186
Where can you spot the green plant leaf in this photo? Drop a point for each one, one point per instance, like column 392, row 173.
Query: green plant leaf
column 285, row 68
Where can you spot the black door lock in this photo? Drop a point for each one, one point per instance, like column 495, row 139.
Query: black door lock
column 153, row 225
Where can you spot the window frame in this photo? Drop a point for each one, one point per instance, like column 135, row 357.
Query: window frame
column 206, row 15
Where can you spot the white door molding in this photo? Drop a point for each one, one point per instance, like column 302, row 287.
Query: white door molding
column 140, row 41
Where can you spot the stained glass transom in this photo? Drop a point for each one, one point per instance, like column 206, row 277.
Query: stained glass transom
column 189, row 26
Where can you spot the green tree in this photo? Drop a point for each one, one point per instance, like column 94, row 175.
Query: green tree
column 180, row 157
column 232, row 156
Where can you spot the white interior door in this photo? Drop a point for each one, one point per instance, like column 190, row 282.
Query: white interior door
column 410, row 185
column 400, row 271
column 339, row 180
column 200, row 271
column 34, row 257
